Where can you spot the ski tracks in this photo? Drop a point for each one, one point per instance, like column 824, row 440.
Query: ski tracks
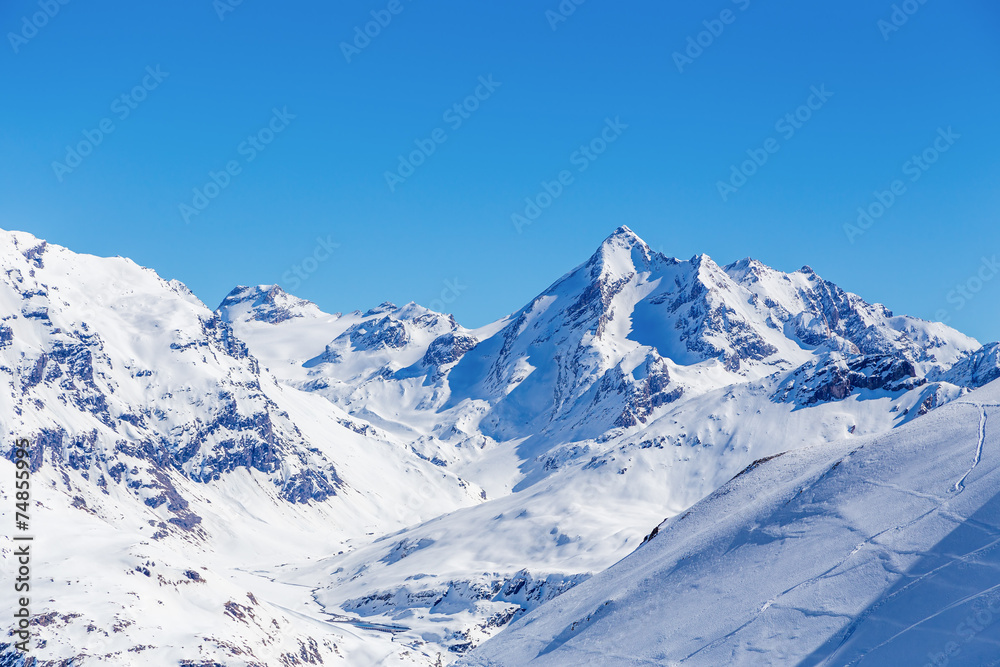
column 960, row 484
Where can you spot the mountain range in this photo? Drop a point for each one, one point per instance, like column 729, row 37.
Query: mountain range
column 269, row 484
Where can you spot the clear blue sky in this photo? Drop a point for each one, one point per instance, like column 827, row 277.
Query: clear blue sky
column 323, row 175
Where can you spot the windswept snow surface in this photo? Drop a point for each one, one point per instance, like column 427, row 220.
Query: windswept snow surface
column 876, row 551
column 389, row 487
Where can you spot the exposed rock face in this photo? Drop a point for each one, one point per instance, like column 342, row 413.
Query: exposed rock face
column 385, row 332
column 142, row 398
column 977, row 369
column 836, row 377
column 448, row 348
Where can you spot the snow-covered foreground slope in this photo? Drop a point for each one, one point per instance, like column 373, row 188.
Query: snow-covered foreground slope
column 109, row 588
column 876, row 551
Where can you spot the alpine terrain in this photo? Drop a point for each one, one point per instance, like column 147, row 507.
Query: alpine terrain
column 269, row 484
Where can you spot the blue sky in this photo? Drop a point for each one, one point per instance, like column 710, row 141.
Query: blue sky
column 309, row 129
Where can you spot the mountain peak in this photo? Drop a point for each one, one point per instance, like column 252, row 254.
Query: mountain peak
column 263, row 303
column 747, row 270
column 620, row 254
column 384, row 307
column 623, row 236
column 702, row 263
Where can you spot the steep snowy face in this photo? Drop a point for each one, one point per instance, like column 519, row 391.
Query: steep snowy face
column 878, row 551
column 631, row 331
column 159, row 443
column 565, row 362
column 111, row 365
column 817, row 314
column 128, row 379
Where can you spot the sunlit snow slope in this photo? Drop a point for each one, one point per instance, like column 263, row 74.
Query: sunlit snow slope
column 878, row 551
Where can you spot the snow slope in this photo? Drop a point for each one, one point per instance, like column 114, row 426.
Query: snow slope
column 875, row 551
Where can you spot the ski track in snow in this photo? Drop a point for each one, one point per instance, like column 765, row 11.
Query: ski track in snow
column 957, row 603
column 879, row 603
column 941, row 509
column 960, row 484
column 830, row 572
column 991, row 530
column 881, row 577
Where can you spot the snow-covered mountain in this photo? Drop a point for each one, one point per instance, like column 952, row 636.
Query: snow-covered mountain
column 640, row 380
column 394, row 468
column 166, row 465
column 876, row 551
